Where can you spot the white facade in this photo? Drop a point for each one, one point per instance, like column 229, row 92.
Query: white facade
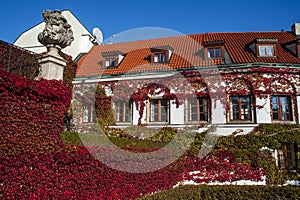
column 82, row 37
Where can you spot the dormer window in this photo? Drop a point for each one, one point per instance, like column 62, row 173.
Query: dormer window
column 294, row 47
column 214, row 49
column 214, row 52
column 161, row 54
column 266, row 50
column 264, row 47
column 159, row 57
column 111, row 58
column 110, row 62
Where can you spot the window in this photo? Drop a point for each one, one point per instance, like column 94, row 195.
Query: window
column 123, row 111
column 266, row 50
column 161, row 54
column 110, row 62
column 287, row 156
column 159, row 110
column 198, row 109
column 88, row 113
column 159, row 57
column 240, row 108
column 281, row 108
column 214, row 52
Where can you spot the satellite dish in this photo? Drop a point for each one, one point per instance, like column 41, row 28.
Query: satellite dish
column 97, row 33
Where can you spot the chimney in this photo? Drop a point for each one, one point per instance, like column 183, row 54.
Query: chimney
column 296, row 29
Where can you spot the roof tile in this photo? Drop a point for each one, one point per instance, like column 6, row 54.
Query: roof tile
column 185, row 52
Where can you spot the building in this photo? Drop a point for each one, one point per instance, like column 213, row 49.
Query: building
column 233, row 81
column 83, row 39
column 228, row 82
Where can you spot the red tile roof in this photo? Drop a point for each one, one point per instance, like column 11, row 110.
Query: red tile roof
column 187, row 52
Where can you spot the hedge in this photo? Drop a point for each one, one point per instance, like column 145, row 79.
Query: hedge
column 227, row 192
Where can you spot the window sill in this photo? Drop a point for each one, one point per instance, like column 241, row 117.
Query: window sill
column 123, row 123
column 240, row 122
column 283, row 122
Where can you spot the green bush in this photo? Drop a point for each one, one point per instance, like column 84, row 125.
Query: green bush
column 248, row 148
column 227, row 192
column 71, row 138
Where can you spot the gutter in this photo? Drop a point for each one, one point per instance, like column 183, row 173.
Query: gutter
column 170, row 72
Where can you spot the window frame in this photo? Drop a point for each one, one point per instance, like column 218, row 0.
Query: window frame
column 159, row 111
column 126, row 111
column 280, row 112
column 160, row 55
column 214, row 48
column 265, row 46
column 198, row 111
column 110, row 61
column 91, row 114
column 287, row 156
column 240, row 109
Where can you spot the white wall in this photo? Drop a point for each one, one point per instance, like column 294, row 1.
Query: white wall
column 218, row 112
column 298, row 108
column 263, row 115
column 177, row 114
column 81, row 43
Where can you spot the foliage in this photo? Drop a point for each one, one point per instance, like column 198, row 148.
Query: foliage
column 31, row 114
column 103, row 107
column 249, row 148
column 35, row 163
column 69, row 69
column 227, row 192
column 71, row 138
column 19, row 61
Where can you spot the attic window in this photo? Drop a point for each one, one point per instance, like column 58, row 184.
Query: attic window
column 110, row 62
column 161, row 54
column 266, row 50
column 294, row 47
column 159, row 57
column 214, row 49
column 112, row 58
column 264, row 47
column 214, row 52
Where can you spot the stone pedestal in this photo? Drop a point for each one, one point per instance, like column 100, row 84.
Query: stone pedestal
column 52, row 65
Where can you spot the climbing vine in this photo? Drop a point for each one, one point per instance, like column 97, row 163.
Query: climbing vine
column 259, row 82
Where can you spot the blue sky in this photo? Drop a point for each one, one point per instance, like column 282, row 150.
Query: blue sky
column 187, row 17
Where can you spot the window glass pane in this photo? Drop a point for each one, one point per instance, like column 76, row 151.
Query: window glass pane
column 234, row 100
column 270, row 50
column 280, row 158
column 123, row 113
column 118, row 112
column 127, row 112
column 217, row 52
column 240, row 108
column 203, row 108
column 281, row 108
column 192, row 109
column 262, row 50
column 210, row 53
column 275, row 99
column 113, row 62
column 198, row 109
column 86, row 113
column 155, row 59
column 107, row 63
column 164, row 110
column 163, row 57
column 291, row 156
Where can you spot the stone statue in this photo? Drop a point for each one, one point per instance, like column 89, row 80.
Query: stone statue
column 57, row 32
